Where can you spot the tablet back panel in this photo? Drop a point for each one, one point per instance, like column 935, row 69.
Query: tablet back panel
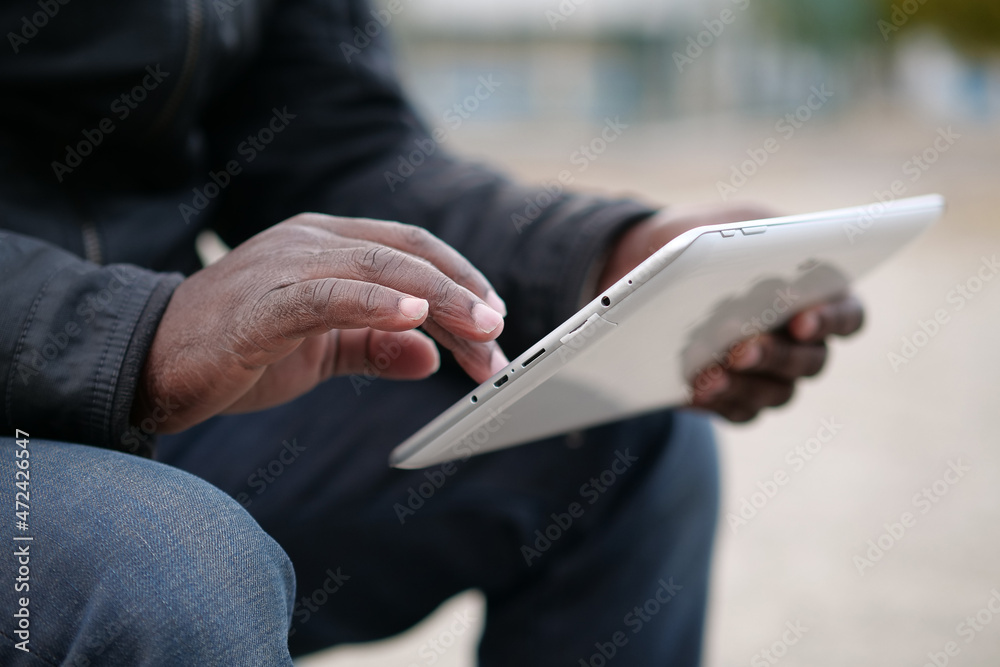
column 637, row 347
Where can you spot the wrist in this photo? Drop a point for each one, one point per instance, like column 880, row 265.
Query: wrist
column 630, row 249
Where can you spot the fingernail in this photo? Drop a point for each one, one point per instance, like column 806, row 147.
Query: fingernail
column 413, row 308
column 808, row 324
column 496, row 303
column 487, row 319
column 498, row 361
column 748, row 358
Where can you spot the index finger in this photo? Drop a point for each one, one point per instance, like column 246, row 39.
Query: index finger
column 421, row 243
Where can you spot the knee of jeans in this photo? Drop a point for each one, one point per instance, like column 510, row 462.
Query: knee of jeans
column 165, row 551
column 217, row 556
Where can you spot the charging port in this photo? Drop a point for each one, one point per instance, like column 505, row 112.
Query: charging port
column 499, row 383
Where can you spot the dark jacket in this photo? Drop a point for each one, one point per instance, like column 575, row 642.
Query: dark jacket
column 128, row 126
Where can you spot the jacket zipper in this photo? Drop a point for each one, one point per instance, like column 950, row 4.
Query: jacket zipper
column 194, row 28
column 91, row 243
column 91, row 239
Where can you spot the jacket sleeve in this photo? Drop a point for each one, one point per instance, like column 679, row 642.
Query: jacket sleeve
column 73, row 338
column 344, row 141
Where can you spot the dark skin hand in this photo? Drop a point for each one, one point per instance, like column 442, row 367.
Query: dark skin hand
column 313, row 297
column 760, row 372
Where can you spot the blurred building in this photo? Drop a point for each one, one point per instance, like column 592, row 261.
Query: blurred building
column 653, row 59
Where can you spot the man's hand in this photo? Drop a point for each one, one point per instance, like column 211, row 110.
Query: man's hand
column 310, row 298
column 760, row 372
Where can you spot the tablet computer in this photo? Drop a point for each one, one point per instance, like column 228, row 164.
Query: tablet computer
column 637, row 346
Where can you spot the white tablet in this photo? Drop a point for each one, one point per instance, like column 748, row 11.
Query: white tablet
column 637, row 346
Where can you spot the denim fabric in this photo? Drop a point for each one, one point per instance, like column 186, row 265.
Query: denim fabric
column 133, row 562
column 590, row 548
column 375, row 550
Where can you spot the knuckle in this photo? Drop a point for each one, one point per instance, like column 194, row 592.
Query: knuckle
column 352, row 306
column 446, row 291
column 371, row 262
column 304, row 305
column 252, row 333
column 310, row 293
column 263, row 309
column 375, row 262
column 416, row 237
column 297, row 219
column 323, row 301
column 357, row 304
column 372, row 300
column 306, row 219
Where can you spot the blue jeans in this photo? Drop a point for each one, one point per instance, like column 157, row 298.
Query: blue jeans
column 590, row 549
column 132, row 562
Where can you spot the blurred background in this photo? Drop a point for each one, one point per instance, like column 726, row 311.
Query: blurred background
column 859, row 95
